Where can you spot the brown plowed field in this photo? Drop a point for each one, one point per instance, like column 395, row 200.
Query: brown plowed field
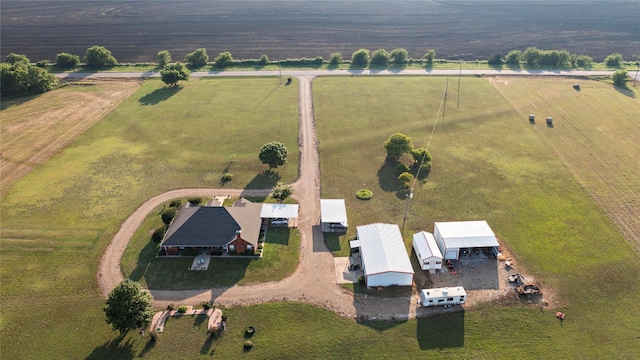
column 136, row 30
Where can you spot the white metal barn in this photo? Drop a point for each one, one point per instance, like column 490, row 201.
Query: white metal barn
column 385, row 261
column 443, row 296
column 333, row 215
column 464, row 235
column 427, row 251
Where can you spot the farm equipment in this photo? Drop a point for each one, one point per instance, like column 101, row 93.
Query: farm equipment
column 516, row 278
column 529, row 290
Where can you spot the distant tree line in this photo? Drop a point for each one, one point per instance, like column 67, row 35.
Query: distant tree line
column 20, row 77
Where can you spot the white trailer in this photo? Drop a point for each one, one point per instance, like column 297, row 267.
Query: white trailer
column 443, row 296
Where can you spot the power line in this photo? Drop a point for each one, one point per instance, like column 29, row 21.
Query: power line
column 443, row 103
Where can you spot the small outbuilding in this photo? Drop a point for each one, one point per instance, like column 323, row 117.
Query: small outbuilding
column 427, row 251
column 464, row 236
column 385, row 261
column 443, row 296
column 333, row 215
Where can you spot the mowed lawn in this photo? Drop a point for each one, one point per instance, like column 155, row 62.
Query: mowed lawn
column 57, row 221
column 490, row 164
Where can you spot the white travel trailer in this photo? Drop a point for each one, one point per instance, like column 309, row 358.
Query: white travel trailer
column 443, row 296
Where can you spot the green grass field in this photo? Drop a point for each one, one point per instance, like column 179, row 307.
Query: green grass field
column 488, row 163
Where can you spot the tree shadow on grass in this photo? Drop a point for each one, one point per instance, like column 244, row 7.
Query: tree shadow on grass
column 113, row 349
column 159, row 95
column 147, row 347
column 388, row 176
column 440, row 331
column 264, row 180
column 625, row 91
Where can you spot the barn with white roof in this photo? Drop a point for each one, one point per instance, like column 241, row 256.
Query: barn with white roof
column 467, row 236
column 427, row 251
column 333, row 215
column 385, row 261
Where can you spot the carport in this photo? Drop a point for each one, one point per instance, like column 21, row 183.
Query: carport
column 468, row 236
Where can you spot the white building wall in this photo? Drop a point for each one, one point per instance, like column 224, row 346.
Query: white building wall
column 390, row 278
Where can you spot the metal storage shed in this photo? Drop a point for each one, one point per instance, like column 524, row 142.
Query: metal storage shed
column 427, row 251
column 456, row 235
column 385, row 261
column 333, row 215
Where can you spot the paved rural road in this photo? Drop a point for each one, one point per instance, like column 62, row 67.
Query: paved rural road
column 313, row 73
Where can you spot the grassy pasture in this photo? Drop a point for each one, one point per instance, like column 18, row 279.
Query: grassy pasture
column 57, row 220
column 488, row 163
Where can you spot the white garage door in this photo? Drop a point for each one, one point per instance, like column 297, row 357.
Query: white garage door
column 452, row 254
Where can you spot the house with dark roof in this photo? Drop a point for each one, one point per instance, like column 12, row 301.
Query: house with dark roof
column 216, row 230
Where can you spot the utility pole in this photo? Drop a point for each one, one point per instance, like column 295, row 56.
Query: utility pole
column 406, row 208
column 444, row 108
column 459, row 76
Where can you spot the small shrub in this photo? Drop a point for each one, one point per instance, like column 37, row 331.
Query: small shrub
column 158, row 234
column 224, row 317
column 248, row 344
column 226, row 177
column 206, row 305
column 154, row 335
column 195, row 201
column 182, row 309
column 361, row 280
column 260, row 246
column 175, row 203
column 402, row 168
column 168, row 215
column 364, row 194
column 170, row 307
column 264, row 59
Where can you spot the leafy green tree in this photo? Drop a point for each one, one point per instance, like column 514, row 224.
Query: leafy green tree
column 98, row 57
column 613, row 60
column 360, row 57
column 430, row 56
column 273, row 154
column 335, row 59
column 380, row 57
column 173, row 73
column 398, row 144
column 420, row 154
column 223, row 59
column 531, row 56
column 264, row 59
column 281, row 192
column 128, row 307
column 168, row 214
column 25, row 79
column 17, row 59
column 495, row 59
column 513, row 57
column 583, row 61
column 619, row 78
column 399, row 56
column 67, row 60
column 164, row 58
column 406, row 179
column 197, row 58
